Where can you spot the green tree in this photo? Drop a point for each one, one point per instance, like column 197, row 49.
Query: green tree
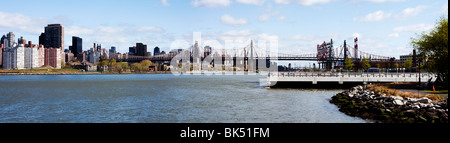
column 365, row 63
column 112, row 65
column 348, row 64
column 145, row 64
column 136, row 67
column 378, row 65
column 121, row 67
column 432, row 48
column 408, row 63
column 396, row 66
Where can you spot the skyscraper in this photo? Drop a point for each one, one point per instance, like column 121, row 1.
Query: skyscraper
column 156, row 51
column 77, row 45
column 141, row 49
column 54, row 36
column 10, row 40
column 42, row 39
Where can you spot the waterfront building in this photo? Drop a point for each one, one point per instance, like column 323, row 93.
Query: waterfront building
column 77, row 46
column 81, row 57
column 41, row 55
column 13, row 58
column 31, row 57
column 403, row 58
column 53, row 57
column 69, row 56
column 54, row 36
column 156, row 51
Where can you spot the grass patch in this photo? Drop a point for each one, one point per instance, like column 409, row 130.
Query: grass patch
column 393, row 92
column 437, row 91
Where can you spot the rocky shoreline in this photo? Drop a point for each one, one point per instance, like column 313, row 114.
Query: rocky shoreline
column 367, row 104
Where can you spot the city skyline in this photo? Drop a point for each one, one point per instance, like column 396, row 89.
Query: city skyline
column 383, row 27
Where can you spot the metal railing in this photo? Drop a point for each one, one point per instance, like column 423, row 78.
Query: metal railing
column 351, row 74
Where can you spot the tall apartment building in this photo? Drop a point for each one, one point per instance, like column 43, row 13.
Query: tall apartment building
column 1, row 54
column 141, row 49
column 31, row 57
column 54, row 36
column 156, row 51
column 13, row 58
column 77, row 45
column 53, row 57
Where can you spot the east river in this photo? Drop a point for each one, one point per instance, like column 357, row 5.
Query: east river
column 161, row 98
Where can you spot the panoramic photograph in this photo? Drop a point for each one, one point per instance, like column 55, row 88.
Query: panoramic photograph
column 224, row 61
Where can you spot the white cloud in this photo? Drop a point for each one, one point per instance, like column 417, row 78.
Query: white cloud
column 229, row 20
column 414, row 28
column 254, row 2
column 304, row 38
column 303, row 2
column 210, row 3
column 238, row 33
column 264, row 17
column 21, row 22
column 282, row 17
column 375, row 16
column 165, row 3
column 412, row 11
column 267, row 37
column 151, row 29
column 393, row 35
column 78, row 31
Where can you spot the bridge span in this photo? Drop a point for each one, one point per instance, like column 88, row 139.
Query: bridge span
column 341, row 78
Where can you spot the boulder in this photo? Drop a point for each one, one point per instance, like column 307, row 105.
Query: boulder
column 397, row 98
column 399, row 102
column 415, row 106
column 424, row 100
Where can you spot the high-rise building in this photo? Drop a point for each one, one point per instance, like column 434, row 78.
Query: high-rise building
column 141, row 49
column 77, row 45
column 132, row 50
column 21, row 41
column 2, row 40
column 54, row 36
column 156, row 51
column 8, row 40
column 42, row 39
column 207, row 51
column 113, row 50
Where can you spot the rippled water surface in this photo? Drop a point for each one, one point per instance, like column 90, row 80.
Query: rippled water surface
column 158, row 98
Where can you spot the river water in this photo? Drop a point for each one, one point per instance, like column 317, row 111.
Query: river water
column 161, row 98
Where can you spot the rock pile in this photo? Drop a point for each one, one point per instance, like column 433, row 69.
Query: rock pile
column 377, row 106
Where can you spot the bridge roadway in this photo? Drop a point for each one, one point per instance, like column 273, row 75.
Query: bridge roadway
column 341, row 78
column 168, row 59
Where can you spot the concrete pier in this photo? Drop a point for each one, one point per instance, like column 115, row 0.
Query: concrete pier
column 341, row 78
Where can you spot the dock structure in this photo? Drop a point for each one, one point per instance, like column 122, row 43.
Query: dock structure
column 341, row 78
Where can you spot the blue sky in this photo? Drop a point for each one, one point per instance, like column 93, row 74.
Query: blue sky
column 384, row 27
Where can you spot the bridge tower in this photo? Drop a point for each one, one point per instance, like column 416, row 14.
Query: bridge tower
column 356, row 47
column 345, row 50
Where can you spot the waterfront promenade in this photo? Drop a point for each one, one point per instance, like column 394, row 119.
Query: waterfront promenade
column 351, row 77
